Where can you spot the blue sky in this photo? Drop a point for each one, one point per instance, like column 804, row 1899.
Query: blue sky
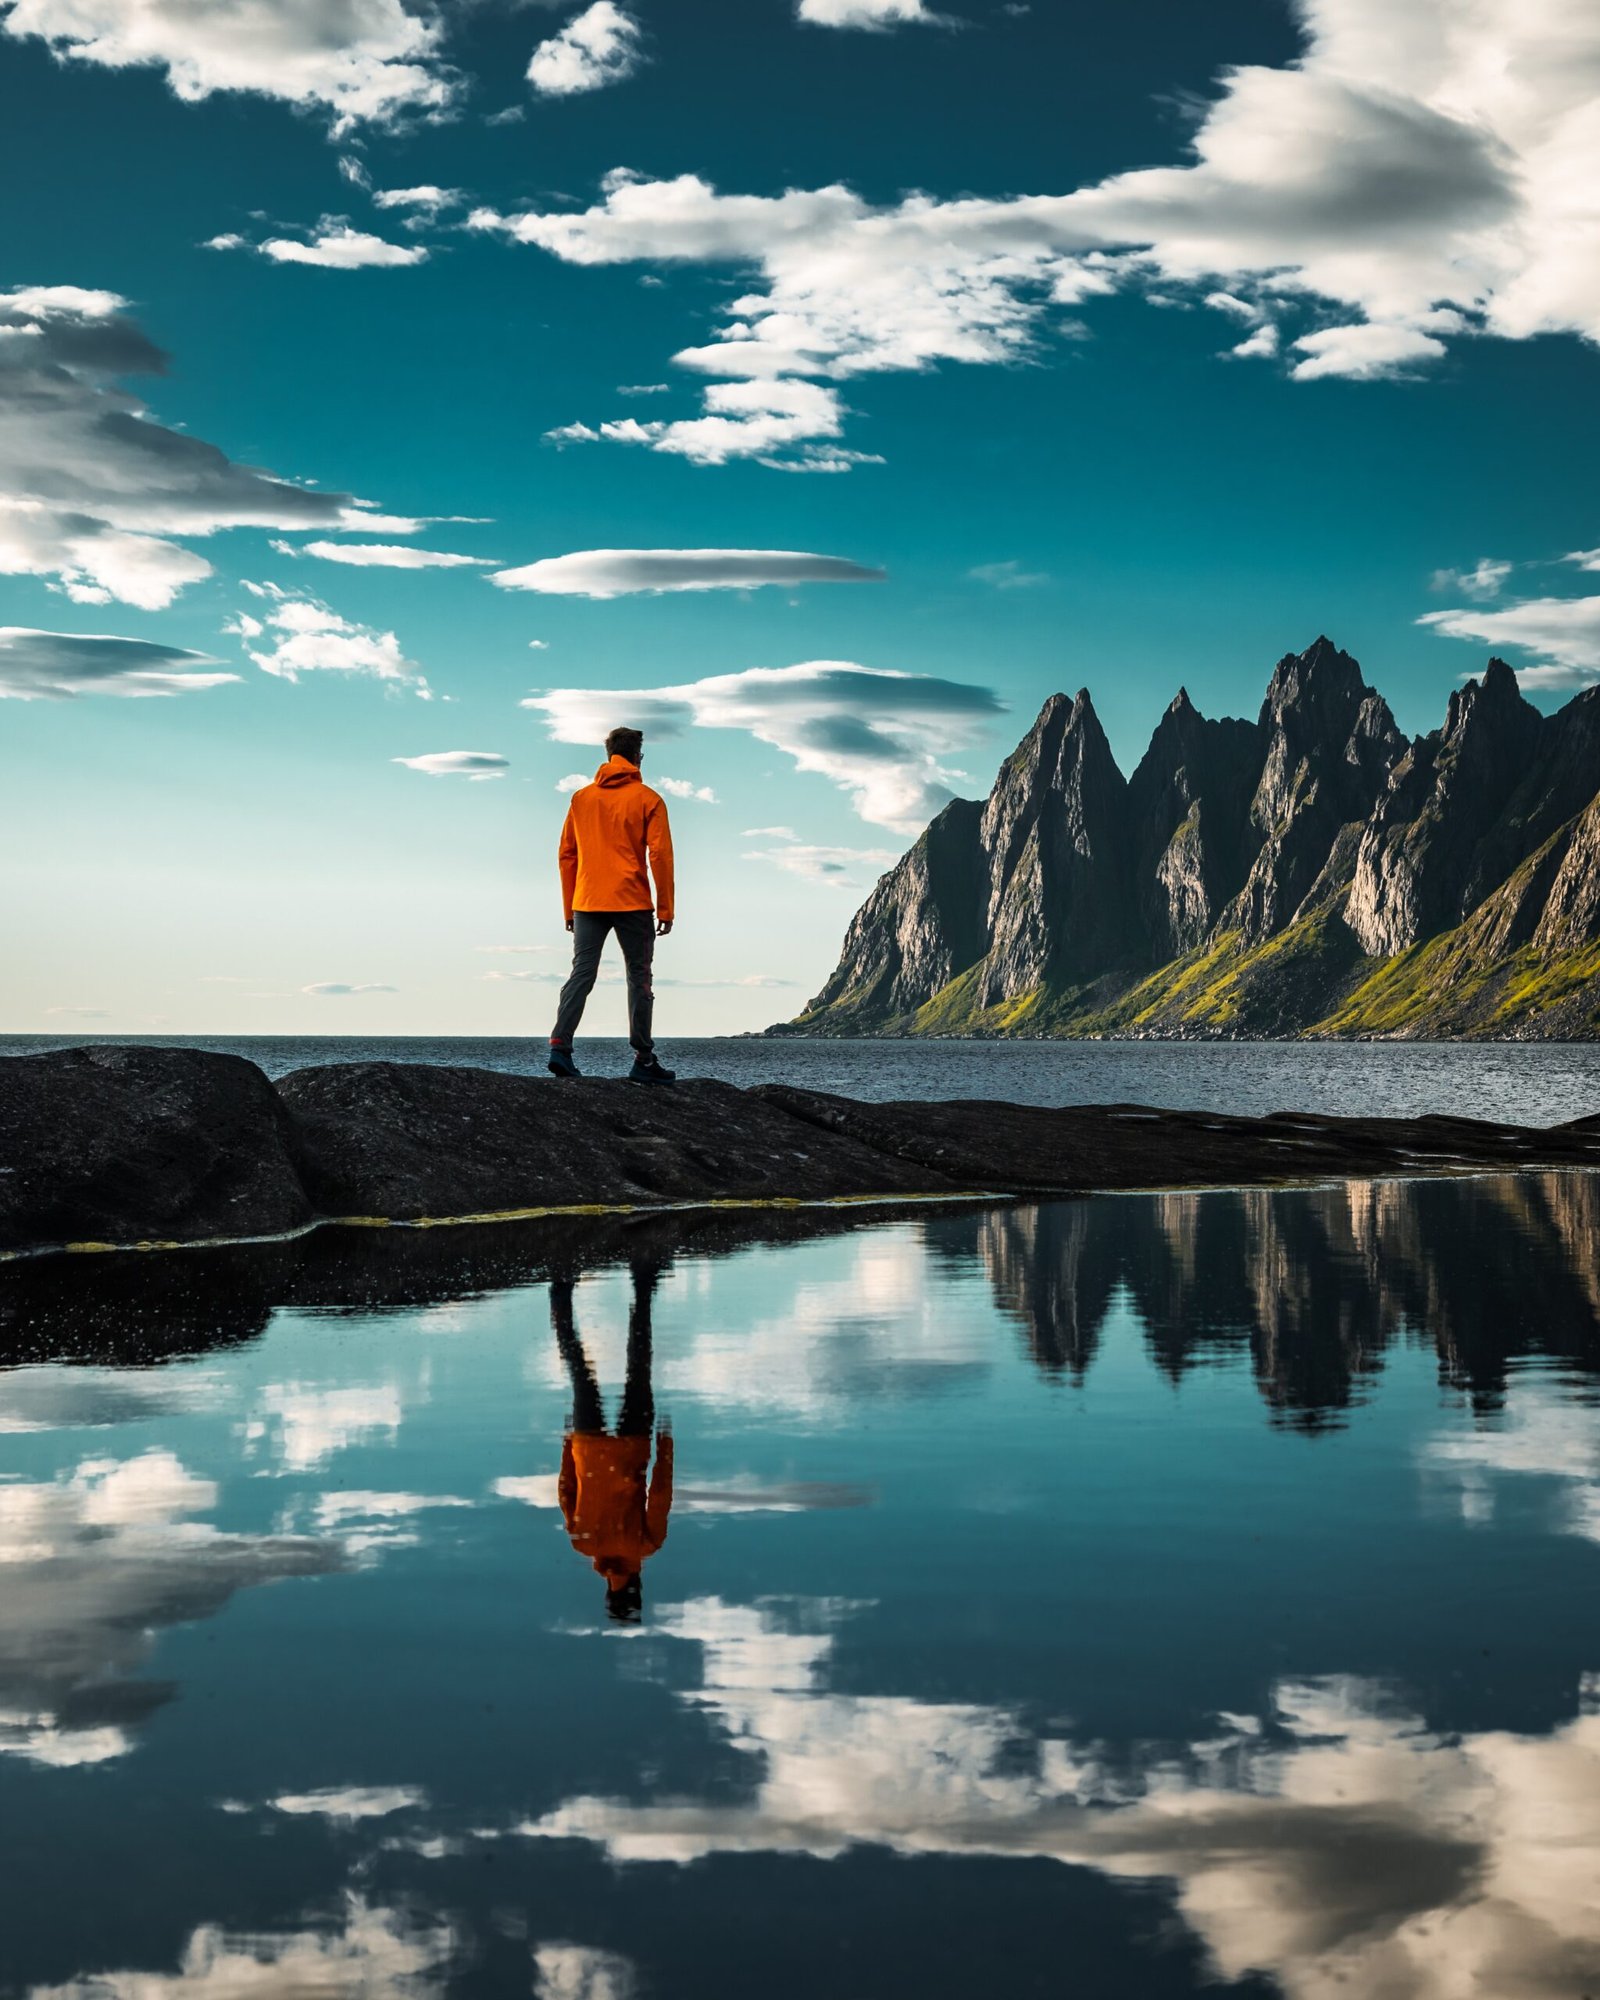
column 950, row 297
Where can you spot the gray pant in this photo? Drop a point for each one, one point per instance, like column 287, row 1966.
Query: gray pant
column 636, row 933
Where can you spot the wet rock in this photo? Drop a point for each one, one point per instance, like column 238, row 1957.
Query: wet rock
column 121, row 1144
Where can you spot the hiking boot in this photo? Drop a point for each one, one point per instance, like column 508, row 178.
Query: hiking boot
column 561, row 1063
column 647, row 1070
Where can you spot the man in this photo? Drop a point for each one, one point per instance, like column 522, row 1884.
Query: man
column 613, row 1517
column 613, row 826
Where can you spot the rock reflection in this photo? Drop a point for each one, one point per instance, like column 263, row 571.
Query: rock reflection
column 1334, row 1843
column 1316, row 1286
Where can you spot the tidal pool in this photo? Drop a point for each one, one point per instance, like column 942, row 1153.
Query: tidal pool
column 1144, row 1595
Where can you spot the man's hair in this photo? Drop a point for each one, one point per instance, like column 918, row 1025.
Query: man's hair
column 625, row 743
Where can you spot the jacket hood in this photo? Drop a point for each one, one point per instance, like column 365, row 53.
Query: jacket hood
column 617, row 771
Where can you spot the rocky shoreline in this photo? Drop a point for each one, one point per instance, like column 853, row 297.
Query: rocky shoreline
column 111, row 1147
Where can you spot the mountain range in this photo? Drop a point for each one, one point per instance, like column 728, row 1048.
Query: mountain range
column 1315, row 872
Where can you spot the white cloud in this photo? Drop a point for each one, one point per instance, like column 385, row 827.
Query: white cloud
column 574, row 781
column 424, row 203
column 874, row 14
column 685, row 788
column 82, row 1013
column 617, row 572
column 329, row 989
column 333, row 245
column 876, row 734
column 380, row 555
column 1483, row 580
column 1584, row 558
column 306, row 637
column 1262, row 345
column 362, row 60
column 769, row 833
column 1363, row 352
column 474, row 765
column 90, row 484
column 1417, row 174
column 347, row 1804
column 96, row 1563
column 56, row 666
column 367, row 1952
column 94, row 564
column 1563, row 632
column 842, row 867
column 597, row 47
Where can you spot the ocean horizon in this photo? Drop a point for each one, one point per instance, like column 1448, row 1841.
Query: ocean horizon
column 1517, row 1083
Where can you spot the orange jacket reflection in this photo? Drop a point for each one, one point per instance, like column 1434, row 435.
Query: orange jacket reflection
column 610, row 1516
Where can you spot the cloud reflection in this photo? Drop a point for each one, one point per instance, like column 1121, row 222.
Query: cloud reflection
column 1333, row 1843
column 93, row 1565
column 370, row 1954
column 304, row 1426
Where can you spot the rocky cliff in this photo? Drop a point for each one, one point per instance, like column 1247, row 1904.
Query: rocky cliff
column 1311, row 873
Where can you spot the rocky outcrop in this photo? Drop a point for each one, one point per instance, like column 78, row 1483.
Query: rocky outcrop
column 1189, row 811
column 411, row 1140
column 1331, row 744
column 1054, row 836
column 921, row 927
column 1270, row 878
column 120, row 1145
column 1423, row 864
column 141, row 1148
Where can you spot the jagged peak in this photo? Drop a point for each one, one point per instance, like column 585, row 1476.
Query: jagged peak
column 1496, row 698
column 1320, row 674
column 1500, row 677
column 1180, row 704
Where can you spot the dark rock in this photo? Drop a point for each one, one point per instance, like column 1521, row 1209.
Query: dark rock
column 1056, row 834
column 406, row 1140
column 1027, row 1149
column 1422, row 865
column 921, row 927
column 1331, row 744
column 1253, row 879
column 1189, row 803
column 133, row 1146
column 123, row 1144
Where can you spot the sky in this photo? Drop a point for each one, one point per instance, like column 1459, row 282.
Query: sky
column 392, row 399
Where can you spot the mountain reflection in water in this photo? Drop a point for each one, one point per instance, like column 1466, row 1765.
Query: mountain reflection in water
column 1133, row 1596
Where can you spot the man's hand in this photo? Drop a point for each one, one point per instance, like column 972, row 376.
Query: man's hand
column 569, row 923
column 663, row 927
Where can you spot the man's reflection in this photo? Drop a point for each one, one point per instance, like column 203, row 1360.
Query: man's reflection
column 611, row 1516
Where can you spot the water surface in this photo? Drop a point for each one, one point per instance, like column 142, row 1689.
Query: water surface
column 1518, row 1083
column 1146, row 1595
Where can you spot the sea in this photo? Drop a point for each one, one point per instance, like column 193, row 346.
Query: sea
column 1526, row 1083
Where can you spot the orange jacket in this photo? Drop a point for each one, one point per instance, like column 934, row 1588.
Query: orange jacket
column 611, row 826
column 603, row 1500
